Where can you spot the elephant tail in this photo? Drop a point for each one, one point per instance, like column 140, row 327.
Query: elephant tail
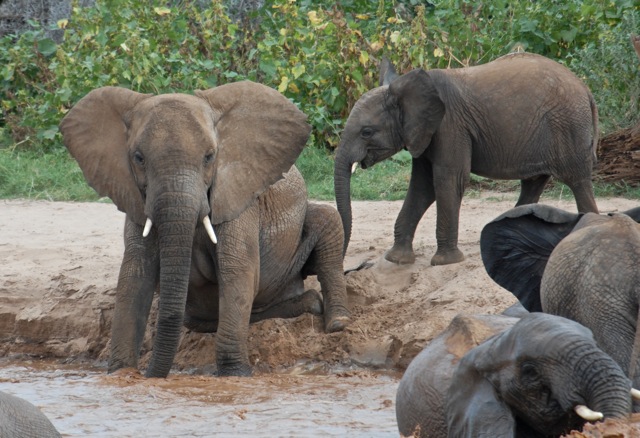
column 596, row 128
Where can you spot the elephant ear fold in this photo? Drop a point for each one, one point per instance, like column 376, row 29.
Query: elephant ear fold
column 95, row 133
column 473, row 408
column 387, row 71
column 421, row 109
column 516, row 246
column 260, row 135
column 634, row 214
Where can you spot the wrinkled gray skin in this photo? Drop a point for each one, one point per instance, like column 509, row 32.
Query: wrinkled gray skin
column 525, row 381
column 582, row 267
column 21, row 419
column 521, row 116
column 177, row 159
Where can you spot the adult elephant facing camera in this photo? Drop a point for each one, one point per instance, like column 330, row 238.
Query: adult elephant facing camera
column 521, row 116
column 179, row 165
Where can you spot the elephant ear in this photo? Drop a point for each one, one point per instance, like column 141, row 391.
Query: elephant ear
column 260, row 134
column 516, row 246
column 473, row 408
column 634, row 214
column 95, row 133
column 387, row 72
column 421, row 108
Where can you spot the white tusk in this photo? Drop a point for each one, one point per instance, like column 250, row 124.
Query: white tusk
column 354, row 166
column 635, row 393
column 207, row 226
column 147, row 228
column 588, row 414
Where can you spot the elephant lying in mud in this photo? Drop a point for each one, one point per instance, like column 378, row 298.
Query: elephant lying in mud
column 211, row 221
column 498, row 376
column 582, row 267
column 21, row 419
column 521, row 116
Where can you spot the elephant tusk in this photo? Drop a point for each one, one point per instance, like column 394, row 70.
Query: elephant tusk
column 147, row 228
column 587, row 414
column 354, row 166
column 635, row 393
column 207, row 226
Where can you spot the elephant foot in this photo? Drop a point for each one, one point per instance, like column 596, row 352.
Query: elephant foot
column 447, row 257
column 336, row 318
column 337, row 324
column 311, row 302
column 240, row 370
column 401, row 255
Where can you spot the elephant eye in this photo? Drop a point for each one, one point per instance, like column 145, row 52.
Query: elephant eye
column 366, row 132
column 529, row 374
column 208, row 159
column 138, row 158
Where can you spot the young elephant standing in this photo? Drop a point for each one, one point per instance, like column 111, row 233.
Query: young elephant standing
column 497, row 376
column 210, row 219
column 521, row 116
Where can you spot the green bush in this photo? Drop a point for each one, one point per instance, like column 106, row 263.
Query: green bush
column 321, row 54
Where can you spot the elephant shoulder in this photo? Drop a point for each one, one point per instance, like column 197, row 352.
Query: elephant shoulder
column 286, row 200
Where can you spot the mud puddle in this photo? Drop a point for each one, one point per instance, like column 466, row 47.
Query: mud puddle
column 86, row 402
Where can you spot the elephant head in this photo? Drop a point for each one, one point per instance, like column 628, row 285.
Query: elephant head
column 517, row 245
column 493, row 375
column 176, row 162
column 403, row 113
column 540, row 376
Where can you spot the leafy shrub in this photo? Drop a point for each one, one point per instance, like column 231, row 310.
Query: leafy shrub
column 320, row 54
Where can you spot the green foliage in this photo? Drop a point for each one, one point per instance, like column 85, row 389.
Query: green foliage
column 612, row 69
column 321, row 54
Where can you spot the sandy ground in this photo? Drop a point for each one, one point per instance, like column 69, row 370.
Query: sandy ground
column 59, row 265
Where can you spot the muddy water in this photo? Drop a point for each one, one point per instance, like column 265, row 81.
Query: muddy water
column 86, row 402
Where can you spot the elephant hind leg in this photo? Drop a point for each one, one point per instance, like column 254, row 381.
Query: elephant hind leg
column 583, row 192
column 531, row 189
column 308, row 302
column 324, row 226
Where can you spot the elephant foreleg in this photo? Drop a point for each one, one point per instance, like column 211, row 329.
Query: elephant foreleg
column 238, row 257
column 323, row 223
column 134, row 294
column 531, row 189
column 420, row 196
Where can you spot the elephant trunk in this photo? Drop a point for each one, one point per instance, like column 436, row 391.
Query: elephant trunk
column 608, row 389
column 342, row 187
column 176, row 213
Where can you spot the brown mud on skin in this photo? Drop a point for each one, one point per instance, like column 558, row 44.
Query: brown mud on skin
column 610, row 428
column 59, row 265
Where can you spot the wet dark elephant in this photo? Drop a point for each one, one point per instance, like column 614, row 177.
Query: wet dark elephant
column 580, row 266
column 21, row 419
column 217, row 216
column 521, row 116
column 499, row 376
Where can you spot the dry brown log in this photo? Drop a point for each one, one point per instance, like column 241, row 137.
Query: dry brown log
column 619, row 157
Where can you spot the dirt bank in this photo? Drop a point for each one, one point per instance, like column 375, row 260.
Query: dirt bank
column 60, row 265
